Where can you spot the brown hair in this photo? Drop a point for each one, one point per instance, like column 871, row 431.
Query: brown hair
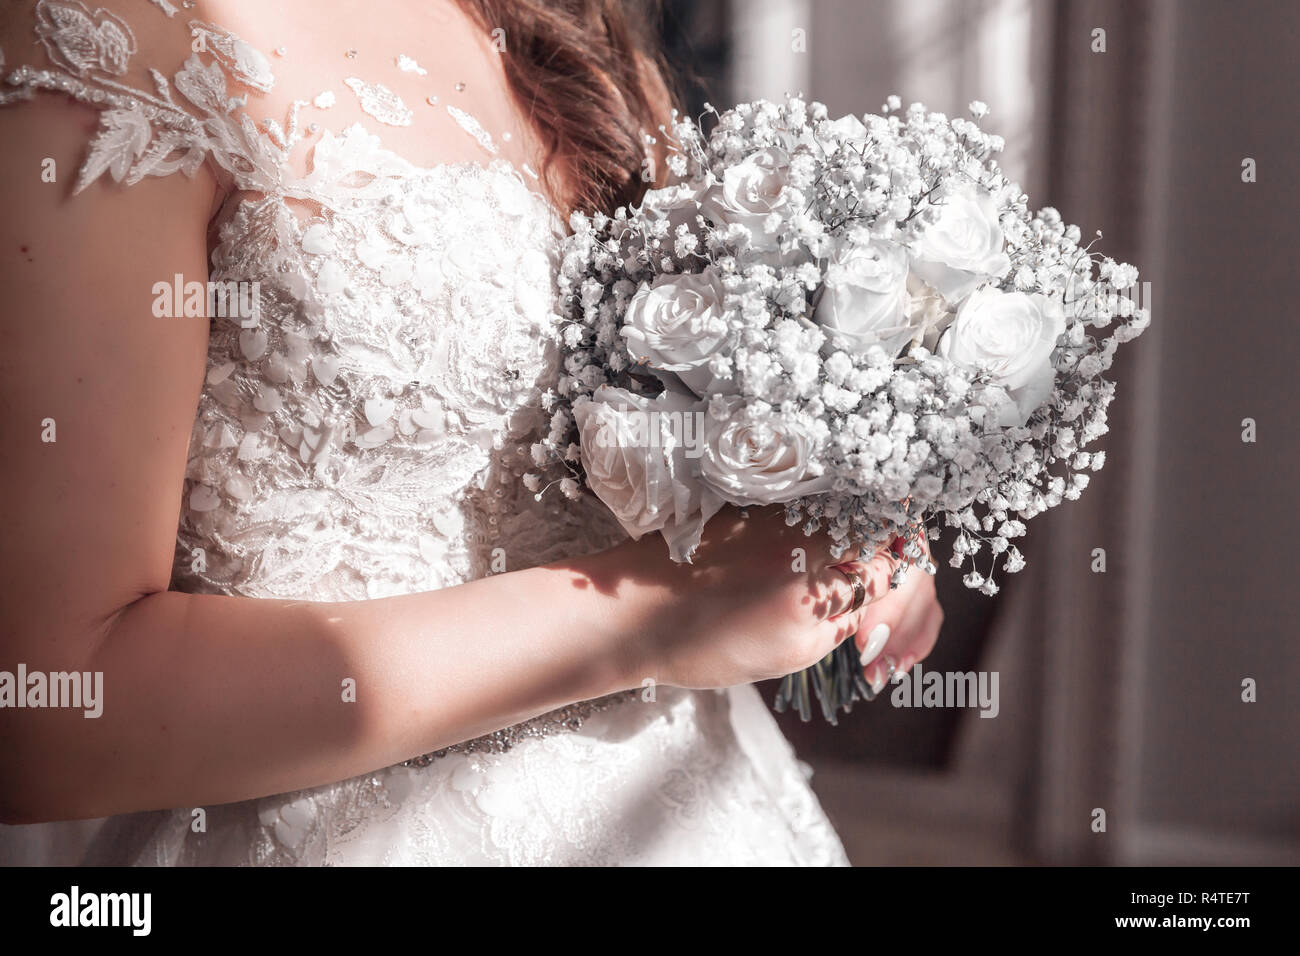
column 588, row 77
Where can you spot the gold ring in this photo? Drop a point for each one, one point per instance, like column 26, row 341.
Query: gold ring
column 859, row 589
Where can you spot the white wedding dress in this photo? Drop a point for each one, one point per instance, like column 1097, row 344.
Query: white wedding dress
column 364, row 439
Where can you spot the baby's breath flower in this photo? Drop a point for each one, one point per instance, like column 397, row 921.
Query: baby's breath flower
column 769, row 198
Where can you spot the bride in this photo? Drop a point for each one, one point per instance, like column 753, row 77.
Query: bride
column 331, row 627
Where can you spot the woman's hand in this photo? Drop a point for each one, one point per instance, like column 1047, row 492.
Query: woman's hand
column 762, row 600
column 901, row 627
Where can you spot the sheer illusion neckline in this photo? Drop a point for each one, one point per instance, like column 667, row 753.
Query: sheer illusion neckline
column 155, row 125
column 312, row 190
column 492, row 165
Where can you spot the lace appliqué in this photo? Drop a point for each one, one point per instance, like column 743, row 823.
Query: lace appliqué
column 81, row 42
column 472, row 126
column 408, row 65
column 381, row 103
column 151, row 133
column 242, row 61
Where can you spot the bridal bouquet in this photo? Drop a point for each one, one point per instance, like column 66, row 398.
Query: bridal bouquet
column 858, row 319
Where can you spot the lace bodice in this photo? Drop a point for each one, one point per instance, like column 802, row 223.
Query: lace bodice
column 372, row 390
column 369, row 404
column 371, row 430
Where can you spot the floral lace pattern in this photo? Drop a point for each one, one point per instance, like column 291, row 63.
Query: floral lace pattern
column 361, row 435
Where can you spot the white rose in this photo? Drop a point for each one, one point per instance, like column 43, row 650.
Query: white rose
column 678, row 204
column 637, row 454
column 864, row 298
column 963, row 247
column 677, row 324
column 847, row 129
column 750, row 191
column 752, row 460
column 928, row 313
column 1010, row 335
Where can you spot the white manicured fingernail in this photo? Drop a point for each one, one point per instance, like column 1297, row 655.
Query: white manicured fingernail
column 877, row 679
column 877, row 637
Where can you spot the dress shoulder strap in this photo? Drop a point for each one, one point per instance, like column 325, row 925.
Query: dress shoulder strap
column 170, row 88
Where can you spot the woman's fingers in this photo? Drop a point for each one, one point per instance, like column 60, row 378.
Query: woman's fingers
column 880, row 672
column 871, row 577
column 926, row 635
column 872, row 642
column 887, row 623
column 836, row 591
column 840, row 584
column 876, row 574
column 899, row 630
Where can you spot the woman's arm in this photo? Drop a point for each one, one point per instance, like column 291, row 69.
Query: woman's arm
column 209, row 699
